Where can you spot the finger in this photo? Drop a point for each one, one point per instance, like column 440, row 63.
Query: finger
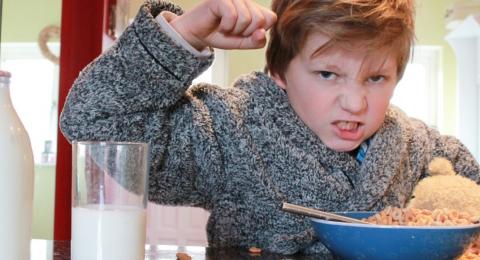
column 244, row 18
column 227, row 13
column 259, row 38
column 256, row 40
column 270, row 18
column 257, row 21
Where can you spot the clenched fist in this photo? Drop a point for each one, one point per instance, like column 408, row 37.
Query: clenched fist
column 225, row 24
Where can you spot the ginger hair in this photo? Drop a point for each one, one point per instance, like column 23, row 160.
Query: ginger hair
column 376, row 24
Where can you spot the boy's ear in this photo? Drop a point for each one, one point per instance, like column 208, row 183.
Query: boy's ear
column 280, row 82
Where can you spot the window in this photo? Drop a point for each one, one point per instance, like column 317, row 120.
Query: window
column 419, row 93
column 34, row 92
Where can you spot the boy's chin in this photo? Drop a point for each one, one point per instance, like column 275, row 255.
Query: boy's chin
column 343, row 146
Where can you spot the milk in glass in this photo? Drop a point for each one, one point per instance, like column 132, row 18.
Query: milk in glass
column 109, row 200
column 115, row 232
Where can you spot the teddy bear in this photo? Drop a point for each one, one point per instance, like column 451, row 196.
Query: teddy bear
column 446, row 189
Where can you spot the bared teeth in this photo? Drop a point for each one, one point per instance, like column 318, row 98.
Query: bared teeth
column 347, row 125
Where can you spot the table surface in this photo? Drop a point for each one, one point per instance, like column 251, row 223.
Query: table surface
column 60, row 250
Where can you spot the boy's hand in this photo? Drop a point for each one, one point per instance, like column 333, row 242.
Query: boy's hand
column 225, row 24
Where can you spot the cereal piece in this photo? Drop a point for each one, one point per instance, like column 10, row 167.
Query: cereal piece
column 183, row 256
column 426, row 212
column 255, row 250
column 464, row 214
column 474, row 219
column 397, row 215
column 408, row 216
column 453, row 214
column 461, row 221
column 388, row 210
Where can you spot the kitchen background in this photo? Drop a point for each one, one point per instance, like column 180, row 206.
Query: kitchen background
column 440, row 86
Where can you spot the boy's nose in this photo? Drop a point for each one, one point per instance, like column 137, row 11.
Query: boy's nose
column 353, row 101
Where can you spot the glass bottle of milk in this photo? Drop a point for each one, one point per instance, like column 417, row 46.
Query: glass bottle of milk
column 16, row 179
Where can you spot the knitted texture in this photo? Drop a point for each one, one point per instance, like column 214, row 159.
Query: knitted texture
column 240, row 152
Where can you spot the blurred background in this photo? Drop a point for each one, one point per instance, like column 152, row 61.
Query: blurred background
column 41, row 39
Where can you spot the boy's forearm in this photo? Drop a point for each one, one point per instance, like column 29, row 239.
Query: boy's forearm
column 463, row 161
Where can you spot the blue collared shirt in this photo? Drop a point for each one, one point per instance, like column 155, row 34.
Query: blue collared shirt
column 362, row 151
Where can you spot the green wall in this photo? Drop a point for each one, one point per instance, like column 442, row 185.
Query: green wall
column 43, row 202
column 431, row 30
column 22, row 20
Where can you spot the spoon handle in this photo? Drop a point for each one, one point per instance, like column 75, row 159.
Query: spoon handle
column 292, row 208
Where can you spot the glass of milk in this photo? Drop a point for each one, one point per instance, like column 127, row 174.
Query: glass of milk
column 109, row 200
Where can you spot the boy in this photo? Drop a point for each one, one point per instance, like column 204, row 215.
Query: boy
column 316, row 131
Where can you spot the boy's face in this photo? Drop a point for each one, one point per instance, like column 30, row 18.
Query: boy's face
column 342, row 95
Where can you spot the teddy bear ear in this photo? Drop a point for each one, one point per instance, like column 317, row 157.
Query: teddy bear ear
column 440, row 166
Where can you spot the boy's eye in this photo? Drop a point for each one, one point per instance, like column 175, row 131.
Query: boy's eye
column 328, row 75
column 376, row 79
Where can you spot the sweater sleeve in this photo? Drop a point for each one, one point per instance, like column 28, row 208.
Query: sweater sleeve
column 436, row 144
column 136, row 91
column 464, row 163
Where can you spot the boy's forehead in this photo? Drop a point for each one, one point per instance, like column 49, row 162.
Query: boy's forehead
column 319, row 46
column 315, row 43
column 338, row 58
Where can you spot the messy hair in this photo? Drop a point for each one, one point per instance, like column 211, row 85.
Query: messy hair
column 377, row 24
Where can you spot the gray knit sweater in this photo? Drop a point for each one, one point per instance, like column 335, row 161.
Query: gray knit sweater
column 240, row 152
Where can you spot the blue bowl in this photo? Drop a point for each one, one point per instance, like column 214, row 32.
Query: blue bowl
column 363, row 241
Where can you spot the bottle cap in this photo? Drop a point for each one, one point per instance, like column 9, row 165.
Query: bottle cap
column 4, row 73
column 5, row 77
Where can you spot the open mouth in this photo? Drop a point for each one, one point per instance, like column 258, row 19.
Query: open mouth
column 347, row 125
column 349, row 130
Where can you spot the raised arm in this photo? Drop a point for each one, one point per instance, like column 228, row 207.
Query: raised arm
column 132, row 83
column 148, row 71
column 136, row 91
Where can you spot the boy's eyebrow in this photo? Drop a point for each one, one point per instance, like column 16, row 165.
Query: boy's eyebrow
column 326, row 65
column 384, row 67
column 377, row 69
column 331, row 67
